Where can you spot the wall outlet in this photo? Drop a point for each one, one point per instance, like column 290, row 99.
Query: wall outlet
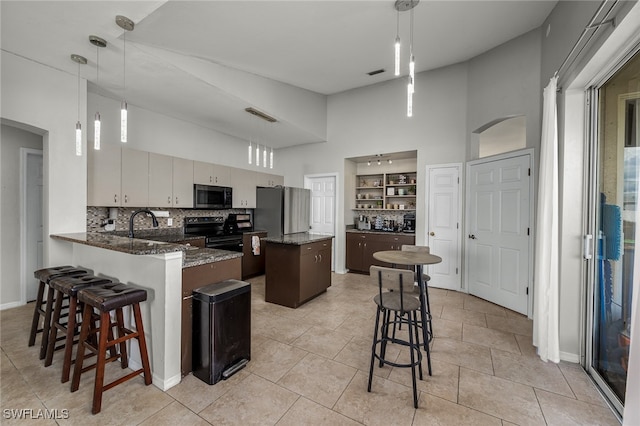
column 170, row 221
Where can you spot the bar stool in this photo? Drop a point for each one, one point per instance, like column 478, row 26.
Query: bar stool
column 106, row 298
column 44, row 276
column 67, row 287
column 399, row 301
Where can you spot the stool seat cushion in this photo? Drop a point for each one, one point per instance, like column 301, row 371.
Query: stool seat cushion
column 108, row 297
column 47, row 274
column 70, row 285
column 391, row 301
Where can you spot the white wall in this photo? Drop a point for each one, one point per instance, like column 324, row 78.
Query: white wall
column 372, row 120
column 505, row 82
column 12, row 140
column 46, row 99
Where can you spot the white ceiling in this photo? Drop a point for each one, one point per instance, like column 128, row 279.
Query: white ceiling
column 321, row 46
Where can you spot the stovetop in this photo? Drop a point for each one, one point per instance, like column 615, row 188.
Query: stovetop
column 212, row 227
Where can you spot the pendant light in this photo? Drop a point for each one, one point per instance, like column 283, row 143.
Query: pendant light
column 98, row 43
column 397, row 44
column 402, row 6
column 250, row 151
column 257, row 155
column 127, row 25
column 80, row 60
column 271, row 159
column 265, row 150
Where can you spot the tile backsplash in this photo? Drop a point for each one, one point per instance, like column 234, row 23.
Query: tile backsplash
column 97, row 215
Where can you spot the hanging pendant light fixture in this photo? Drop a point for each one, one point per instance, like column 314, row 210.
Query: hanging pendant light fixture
column 402, row 6
column 127, row 25
column 397, row 44
column 98, row 43
column 271, row 159
column 80, row 60
column 265, row 150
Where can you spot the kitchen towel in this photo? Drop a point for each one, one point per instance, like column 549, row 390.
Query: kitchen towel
column 255, row 245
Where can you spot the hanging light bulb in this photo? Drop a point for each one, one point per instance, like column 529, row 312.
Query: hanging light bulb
column 264, row 157
column 410, row 99
column 257, row 155
column 397, row 44
column 412, row 59
column 80, row 60
column 127, row 25
column 250, row 152
column 98, row 43
column 271, row 159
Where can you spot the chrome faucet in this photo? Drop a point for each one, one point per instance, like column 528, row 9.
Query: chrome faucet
column 153, row 217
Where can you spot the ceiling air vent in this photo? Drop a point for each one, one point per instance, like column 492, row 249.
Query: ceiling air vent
column 260, row 114
column 380, row 71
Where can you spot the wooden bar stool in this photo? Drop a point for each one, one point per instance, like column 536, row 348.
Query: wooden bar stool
column 44, row 276
column 67, row 286
column 106, row 298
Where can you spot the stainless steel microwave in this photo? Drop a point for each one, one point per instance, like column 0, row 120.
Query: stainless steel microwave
column 211, row 197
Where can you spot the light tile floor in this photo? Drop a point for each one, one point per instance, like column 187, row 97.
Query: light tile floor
column 310, row 366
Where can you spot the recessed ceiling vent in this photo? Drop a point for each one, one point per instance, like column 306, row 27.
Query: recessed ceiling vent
column 260, row 114
column 380, row 71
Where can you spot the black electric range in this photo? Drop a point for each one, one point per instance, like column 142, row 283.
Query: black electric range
column 213, row 229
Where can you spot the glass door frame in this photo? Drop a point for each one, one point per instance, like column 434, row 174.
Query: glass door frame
column 591, row 217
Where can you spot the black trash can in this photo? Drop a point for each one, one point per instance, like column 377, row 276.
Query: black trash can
column 221, row 329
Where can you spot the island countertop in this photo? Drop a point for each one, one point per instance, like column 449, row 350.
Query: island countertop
column 299, row 238
column 137, row 246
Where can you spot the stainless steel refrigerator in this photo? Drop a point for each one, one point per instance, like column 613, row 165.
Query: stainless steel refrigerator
column 282, row 210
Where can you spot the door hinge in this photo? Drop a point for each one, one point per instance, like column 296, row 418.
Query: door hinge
column 527, row 291
column 458, row 180
column 529, row 172
column 457, row 226
column 456, row 271
column 528, row 231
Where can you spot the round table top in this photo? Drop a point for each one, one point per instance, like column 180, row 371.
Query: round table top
column 399, row 257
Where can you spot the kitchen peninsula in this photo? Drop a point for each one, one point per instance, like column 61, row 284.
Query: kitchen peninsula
column 298, row 267
column 158, row 267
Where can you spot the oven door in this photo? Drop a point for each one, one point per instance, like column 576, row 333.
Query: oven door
column 234, row 244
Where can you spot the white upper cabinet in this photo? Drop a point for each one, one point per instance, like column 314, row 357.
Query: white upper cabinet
column 202, row 173
column 269, row 180
column 221, row 175
column 182, row 183
column 160, row 180
column 135, row 178
column 244, row 189
column 103, row 176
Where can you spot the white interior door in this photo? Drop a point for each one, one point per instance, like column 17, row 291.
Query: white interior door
column 443, row 225
column 498, row 216
column 323, row 207
column 33, row 221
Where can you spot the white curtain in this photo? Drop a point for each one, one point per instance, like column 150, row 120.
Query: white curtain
column 546, row 272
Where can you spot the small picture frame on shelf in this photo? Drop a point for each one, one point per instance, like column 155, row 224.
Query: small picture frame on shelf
column 390, row 191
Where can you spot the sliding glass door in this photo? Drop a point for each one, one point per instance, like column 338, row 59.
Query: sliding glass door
column 615, row 177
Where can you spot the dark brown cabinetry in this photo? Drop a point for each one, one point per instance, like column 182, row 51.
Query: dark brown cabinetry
column 297, row 273
column 362, row 245
column 252, row 264
column 195, row 277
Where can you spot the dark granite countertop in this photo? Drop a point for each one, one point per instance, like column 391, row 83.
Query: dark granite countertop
column 376, row 231
column 192, row 256
column 299, row 238
column 202, row 256
column 164, row 235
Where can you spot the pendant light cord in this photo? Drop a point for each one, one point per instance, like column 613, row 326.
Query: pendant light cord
column 411, row 36
column 78, row 92
column 124, row 64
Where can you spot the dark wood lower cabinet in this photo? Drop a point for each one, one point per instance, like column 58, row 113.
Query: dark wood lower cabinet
column 252, row 264
column 362, row 245
column 297, row 273
column 196, row 277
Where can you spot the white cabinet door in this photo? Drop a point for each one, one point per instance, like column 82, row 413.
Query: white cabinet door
column 244, row 189
column 103, row 176
column 202, row 173
column 135, row 178
column 160, row 180
column 221, row 175
column 182, row 183
column 268, row 180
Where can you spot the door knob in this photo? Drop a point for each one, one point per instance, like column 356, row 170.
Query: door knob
column 473, row 237
column 433, row 234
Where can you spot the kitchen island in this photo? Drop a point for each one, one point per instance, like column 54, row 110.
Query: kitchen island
column 158, row 267
column 297, row 268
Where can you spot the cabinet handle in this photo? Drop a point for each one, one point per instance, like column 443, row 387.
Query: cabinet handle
column 320, row 257
column 359, row 244
column 316, row 257
column 210, row 179
column 177, row 200
column 126, row 199
column 365, row 244
column 169, row 200
column 115, row 198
